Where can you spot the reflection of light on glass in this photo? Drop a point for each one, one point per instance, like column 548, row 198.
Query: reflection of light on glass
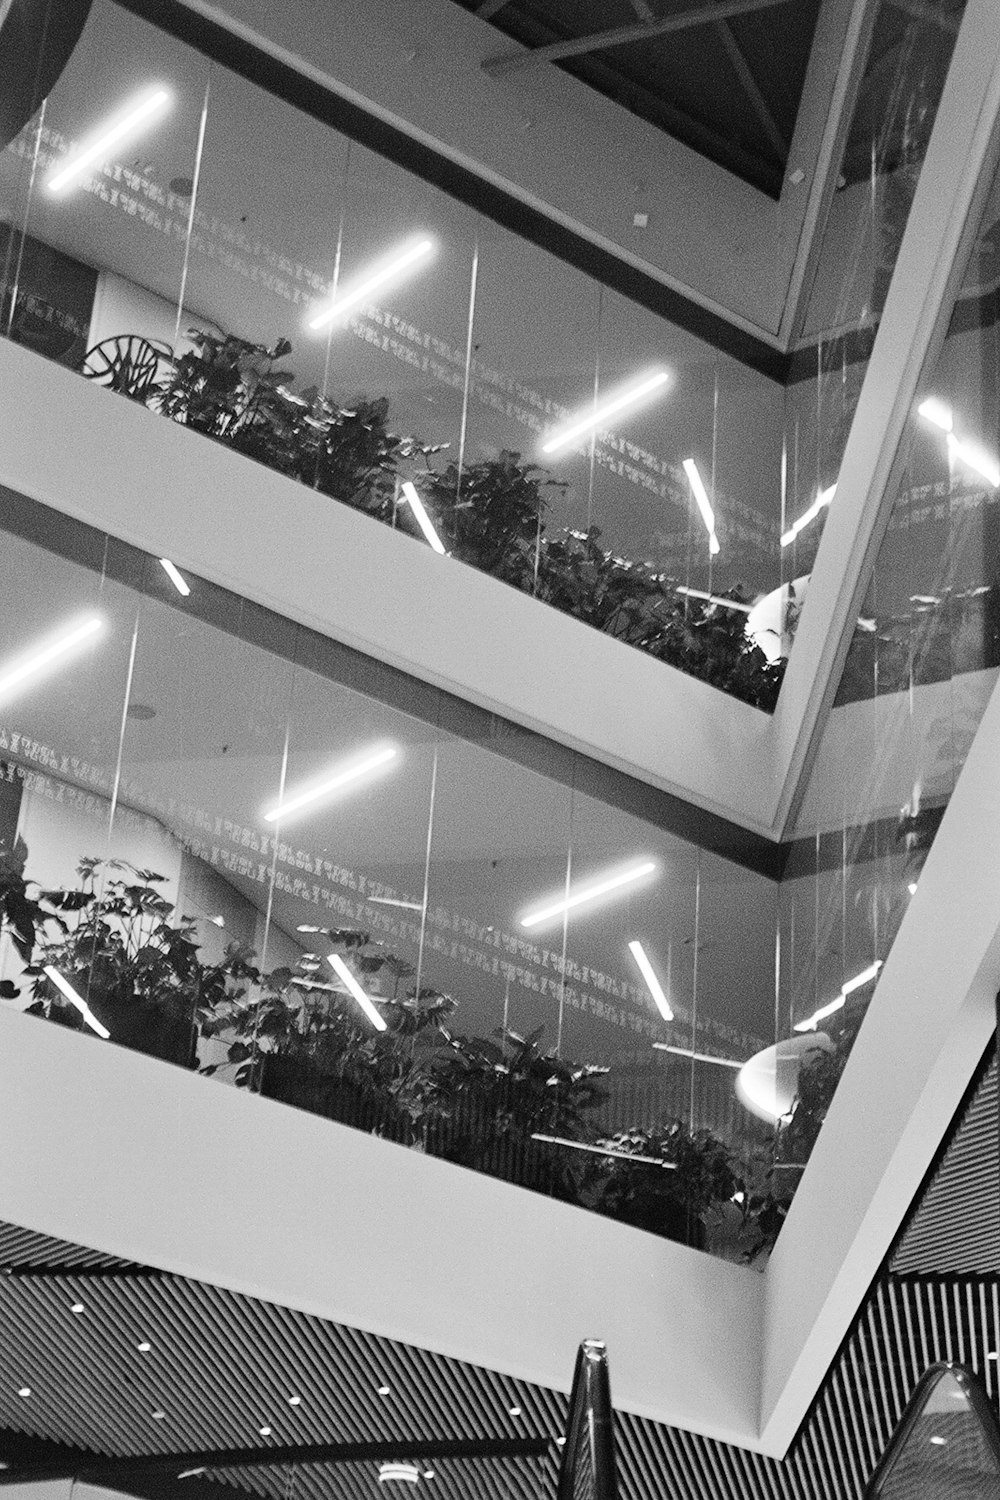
column 422, row 518
column 343, row 973
column 912, row 887
column 560, row 1140
column 379, row 757
column 652, row 982
column 598, row 415
column 822, row 499
column 846, row 989
column 702, row 501
column 705, row 1057
column 66, row 989
column 970, row 454
column 140, row 112
column 375, row 280
column 44, row 656
column 589, row 892
column 682, row 588
column 939, row 1442
column 768, row 1082
column 176, row 578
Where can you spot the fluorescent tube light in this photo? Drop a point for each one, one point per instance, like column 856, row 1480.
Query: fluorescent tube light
column 862, row 978
column 588, row 893
column 561, row 1140
column 712, row 598
column 598, row 415
column 701, row 497
column 648, row 973
column 44, row 656
column 705, row 1057
column 846, row 989
column 175, row 578
column 388, row 1472
column 371, row 762
column 935, row 411
column 822, row 499
column 423, row 519
column 65, row 988
column 975, row 458
column 343, row 973
column 140, row 111
column 404, row 259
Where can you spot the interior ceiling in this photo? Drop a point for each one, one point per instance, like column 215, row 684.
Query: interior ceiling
column 730, row 88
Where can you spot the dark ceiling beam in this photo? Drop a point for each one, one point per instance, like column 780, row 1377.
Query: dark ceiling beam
column 32, row 1459
column 750, row 87
column 127, row 1270
column 620, row 36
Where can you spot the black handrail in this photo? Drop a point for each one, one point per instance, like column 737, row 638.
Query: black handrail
column 899, row 1442
column 590, row 1442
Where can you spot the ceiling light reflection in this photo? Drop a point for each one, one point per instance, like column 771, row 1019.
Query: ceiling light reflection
column 822, row 499
column 343, row 973
column 587, row 422
column 589, row 892
column 404, row 258
column 66, row 989
column 390, row 1472
column 704, row 505
column 45, row 656
column 648, row 973
column 138, row 112
column 846, row 989
column 423, row 520
column 370, row 762
column 705, row 1057
column 178, row 581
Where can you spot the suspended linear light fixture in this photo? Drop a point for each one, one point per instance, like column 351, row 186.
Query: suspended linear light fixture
column 66, row 989
column 705, row 1057
column 341, row 778
column 584, row 423
column 703, row 503
column 406, row 258
column 343, row 973
column 423, row 520
column 138, row 112
column 589, row 892
column 176, row 578
column 822, row 500
column 44, row 656
column 865, row 977
column 648, row 973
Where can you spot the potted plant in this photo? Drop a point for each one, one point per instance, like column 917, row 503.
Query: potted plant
column 132, row 961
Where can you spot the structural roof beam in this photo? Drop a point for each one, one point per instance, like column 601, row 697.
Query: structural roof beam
column 620, row 36
column 751, row 88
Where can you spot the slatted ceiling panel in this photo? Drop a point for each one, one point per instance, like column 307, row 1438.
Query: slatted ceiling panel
column 956, row 1229
column 24, row 1249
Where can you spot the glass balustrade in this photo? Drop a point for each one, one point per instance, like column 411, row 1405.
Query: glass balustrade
column 194, row 243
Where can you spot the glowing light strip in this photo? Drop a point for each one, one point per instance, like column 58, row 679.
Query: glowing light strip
column 176, row 579
column 559, row 1140
column 362, row 291
column 865, row 977
column 701, row 498
column 975, row 458
column 706, row 1057
column 934, row 411
column 64, row 986
column 822, row 499
column 332, row 783
column 712, row 598
column 390, row 1471
column 343, row 972
column 939, row 415
column 588, row 893
column 599, row 414
column 423, row 519
column 14, row 676
column 138, row 114
column 648, row 973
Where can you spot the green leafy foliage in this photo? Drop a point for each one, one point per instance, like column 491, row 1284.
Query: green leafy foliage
column 490, row 515
column 20, row 914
